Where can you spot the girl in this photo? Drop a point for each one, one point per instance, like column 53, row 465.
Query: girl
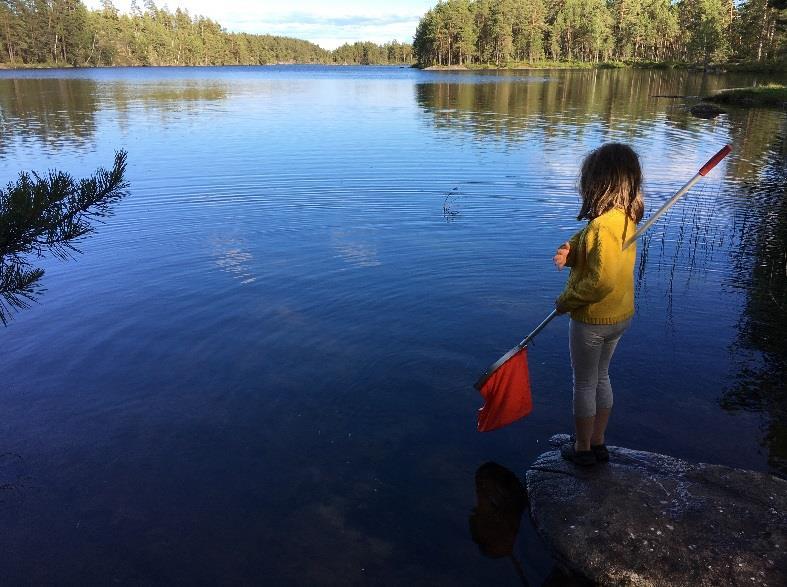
column 599, row 293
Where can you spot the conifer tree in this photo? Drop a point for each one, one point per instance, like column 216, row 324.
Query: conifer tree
column 64, row 32
column 691, row 31
column 707, row 26
column 49, row 214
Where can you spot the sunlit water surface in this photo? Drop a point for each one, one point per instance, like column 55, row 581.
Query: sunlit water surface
column 260, row 369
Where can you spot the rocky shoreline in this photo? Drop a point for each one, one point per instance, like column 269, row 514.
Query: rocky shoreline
column 651, row 519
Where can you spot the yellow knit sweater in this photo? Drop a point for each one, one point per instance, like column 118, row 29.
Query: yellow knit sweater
column 600, row 288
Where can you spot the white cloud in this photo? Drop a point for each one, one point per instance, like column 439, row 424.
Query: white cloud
column 329, row 25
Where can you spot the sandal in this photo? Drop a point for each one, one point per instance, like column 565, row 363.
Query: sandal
column 583, row 458
column 601, row 452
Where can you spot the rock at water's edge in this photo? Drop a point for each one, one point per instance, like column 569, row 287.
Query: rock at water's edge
column 706, row 110
column 650, row 519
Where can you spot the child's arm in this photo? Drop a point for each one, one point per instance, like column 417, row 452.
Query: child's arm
column 598, row 278
column 561, row 255
column 566, row 253
column 573, row 247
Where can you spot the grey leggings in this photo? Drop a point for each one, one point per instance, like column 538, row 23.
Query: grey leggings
column 591, row 347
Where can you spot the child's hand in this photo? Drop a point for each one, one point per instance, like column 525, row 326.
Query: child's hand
column 561, row 256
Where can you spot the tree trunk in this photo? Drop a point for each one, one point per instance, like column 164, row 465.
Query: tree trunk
column 762, row 33
column 92, row 48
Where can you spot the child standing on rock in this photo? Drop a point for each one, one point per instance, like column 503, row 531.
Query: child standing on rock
column 599, row 293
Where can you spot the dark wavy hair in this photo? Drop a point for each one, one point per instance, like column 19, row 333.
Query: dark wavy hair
column 611, row 177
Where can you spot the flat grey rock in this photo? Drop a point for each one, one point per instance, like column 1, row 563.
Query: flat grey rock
column 651, row 519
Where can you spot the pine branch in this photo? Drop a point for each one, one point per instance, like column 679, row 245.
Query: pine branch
column 19, row 286
column 49, row 214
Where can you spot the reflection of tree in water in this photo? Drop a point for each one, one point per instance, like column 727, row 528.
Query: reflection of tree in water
column 563, row 105
column 704, row 229
column 166, row 98
column 57, row 112
column 743, row 229
column 61, row 113
column 754, row 133
column 760, row 268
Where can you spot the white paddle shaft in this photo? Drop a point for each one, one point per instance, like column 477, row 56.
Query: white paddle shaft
column 667, row 205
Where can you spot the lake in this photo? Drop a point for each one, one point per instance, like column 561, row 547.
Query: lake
column 261, row 368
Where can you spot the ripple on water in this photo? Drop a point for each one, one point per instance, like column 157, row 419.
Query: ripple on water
column 289, row 310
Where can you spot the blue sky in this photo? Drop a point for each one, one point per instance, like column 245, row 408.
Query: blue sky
column 329, row 24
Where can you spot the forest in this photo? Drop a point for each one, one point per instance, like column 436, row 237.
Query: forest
column 66, row 32
column 453, row 33
column 499, row 32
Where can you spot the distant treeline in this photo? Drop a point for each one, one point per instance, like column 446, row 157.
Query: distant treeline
column 462, row 32
column 370, row 53
column 65, row 32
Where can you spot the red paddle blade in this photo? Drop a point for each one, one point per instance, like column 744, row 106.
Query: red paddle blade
column 506, row 394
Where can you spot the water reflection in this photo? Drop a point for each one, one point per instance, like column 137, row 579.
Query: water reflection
column 167, row 99
column 739, row 225
column 760, row 269
column 687, row 243
column 494, row 522
column 351, row 247
column 231, row 255
column 501, row 500
column 56, row 112
column 62, row 113
column 630, row 102
column 754, row 133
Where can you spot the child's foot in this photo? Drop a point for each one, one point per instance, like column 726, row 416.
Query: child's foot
column 600, row 451
column 583, row 458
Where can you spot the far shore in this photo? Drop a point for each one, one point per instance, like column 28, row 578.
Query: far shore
column 765, row 96
column 766, row 68
column 37, row 66
column 541, row 65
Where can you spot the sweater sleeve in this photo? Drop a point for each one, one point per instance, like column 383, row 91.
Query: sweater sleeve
column 573, row 244
column 599, row 275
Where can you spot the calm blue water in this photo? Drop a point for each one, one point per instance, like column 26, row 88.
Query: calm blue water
column 260, row 369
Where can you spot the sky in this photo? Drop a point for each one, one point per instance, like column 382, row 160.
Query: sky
column 329, row 24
